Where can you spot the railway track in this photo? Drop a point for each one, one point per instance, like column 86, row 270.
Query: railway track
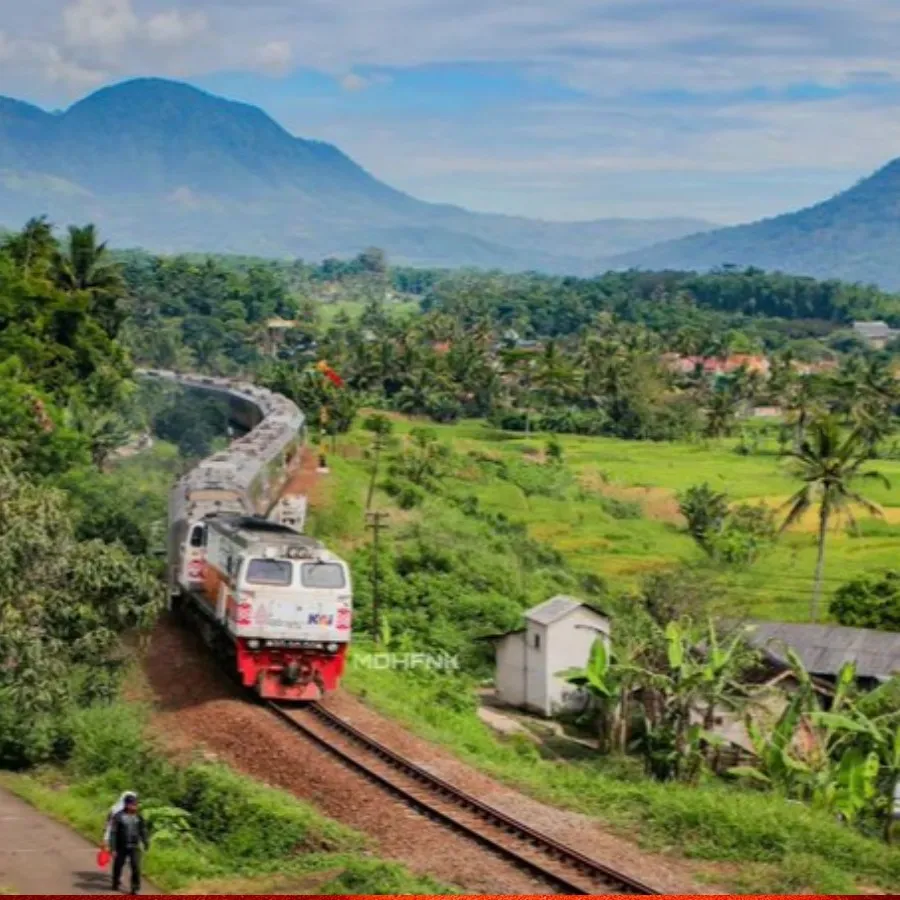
column 562, row 867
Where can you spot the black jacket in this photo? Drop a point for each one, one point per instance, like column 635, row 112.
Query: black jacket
column 119, row 837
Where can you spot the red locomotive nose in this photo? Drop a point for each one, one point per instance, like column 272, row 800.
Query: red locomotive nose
column 296, row 671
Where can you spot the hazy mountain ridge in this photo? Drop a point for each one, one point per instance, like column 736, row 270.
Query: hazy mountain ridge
column 853, row 236
column 163, row 165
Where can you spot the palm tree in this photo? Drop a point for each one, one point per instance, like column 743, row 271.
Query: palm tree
column 33, row 247
column 84, row 265
column 105, row 432
column 828, row 463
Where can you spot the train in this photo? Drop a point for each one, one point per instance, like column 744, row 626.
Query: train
column 272, row 603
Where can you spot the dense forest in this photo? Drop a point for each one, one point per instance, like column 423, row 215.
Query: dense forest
column 528, row 352
column 76, row 540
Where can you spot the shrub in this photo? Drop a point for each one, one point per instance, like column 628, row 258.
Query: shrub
column 704, row 510
column 407, row 494
column 872, row 601
column 621, row 509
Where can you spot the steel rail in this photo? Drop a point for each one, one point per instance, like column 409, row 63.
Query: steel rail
column 600, row 878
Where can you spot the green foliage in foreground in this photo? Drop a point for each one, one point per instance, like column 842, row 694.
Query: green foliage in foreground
column 64, row 604
column 771, row 844
column 210, row 825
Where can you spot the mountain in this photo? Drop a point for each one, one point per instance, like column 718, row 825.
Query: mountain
column 163, row 165
column 854, row 236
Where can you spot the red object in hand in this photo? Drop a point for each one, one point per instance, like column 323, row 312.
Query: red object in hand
column 103, row 858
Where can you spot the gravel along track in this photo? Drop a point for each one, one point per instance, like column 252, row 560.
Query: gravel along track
column 197, row 708
column 561, row 867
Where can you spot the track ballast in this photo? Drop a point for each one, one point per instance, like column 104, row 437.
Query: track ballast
column 565, row 868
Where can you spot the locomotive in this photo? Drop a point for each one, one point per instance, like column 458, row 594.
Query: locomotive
column 273, row 603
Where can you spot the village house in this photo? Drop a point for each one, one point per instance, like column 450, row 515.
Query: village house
column 877, row 334
column 823, row 650
column 558, row 635
column 688, row 365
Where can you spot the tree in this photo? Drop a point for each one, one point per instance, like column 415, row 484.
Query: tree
column 871, row 601
column 84, row 265
column 63, row 606
column 105, row 431
column 829, row 464
column 705, row 510
column 33, row 248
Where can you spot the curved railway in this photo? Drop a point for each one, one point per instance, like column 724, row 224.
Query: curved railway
column 255, row 466
column 565, row 868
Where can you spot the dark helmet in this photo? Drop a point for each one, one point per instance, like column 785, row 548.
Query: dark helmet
column 129, row 798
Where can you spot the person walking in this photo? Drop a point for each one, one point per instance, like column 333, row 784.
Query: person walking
column 126, row 836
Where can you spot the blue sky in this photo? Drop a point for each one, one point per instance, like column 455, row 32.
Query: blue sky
column 721, row 109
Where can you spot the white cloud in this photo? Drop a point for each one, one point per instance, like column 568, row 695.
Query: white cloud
column 577, row 153
column 175, row 27
column 71, row 76
column 354, row 82
column 99, row 24
column 274, row 57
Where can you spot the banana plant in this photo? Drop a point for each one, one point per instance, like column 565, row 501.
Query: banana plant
column 778, row 765
column 872, row 743
column 607, row 684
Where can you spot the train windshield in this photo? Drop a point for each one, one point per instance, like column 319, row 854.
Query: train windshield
column 270, row 571
column 198, row 536
column 322, row 575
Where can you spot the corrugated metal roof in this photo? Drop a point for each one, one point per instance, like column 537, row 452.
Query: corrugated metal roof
column 553, row 609
column 825, row 648
column 873, row 329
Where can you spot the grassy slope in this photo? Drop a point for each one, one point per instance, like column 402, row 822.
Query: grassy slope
column 757, row 843
column 245, row 837
column 763, row 843
column 621, row 550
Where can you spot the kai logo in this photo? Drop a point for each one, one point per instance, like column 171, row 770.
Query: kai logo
column 319, row 619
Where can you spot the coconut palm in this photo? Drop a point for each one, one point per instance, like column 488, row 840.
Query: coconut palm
column 84, row 265
column 33, row 247
column 829, row 463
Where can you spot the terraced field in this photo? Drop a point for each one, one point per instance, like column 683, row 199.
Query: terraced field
column 619, row 516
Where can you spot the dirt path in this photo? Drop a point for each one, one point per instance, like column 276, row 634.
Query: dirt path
column 41, row 856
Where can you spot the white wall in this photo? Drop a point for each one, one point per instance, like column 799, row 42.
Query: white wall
column 527, row 663
column 569, row 647
column 536, row 697
column 509, row 679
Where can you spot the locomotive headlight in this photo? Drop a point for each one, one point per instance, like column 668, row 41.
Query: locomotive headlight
column 253, row 644
column 332, row 648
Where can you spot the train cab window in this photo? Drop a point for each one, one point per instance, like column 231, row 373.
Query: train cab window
column 198, row 536
column 270, row 571
column 322, row 575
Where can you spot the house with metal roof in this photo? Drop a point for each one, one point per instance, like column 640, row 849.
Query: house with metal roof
column 876, row 333
column 558, row 634
column 824, row 649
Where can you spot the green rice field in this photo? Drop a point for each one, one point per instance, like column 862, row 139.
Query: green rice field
column 592, row 533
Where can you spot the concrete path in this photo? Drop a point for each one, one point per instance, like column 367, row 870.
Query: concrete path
column 41, row 856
